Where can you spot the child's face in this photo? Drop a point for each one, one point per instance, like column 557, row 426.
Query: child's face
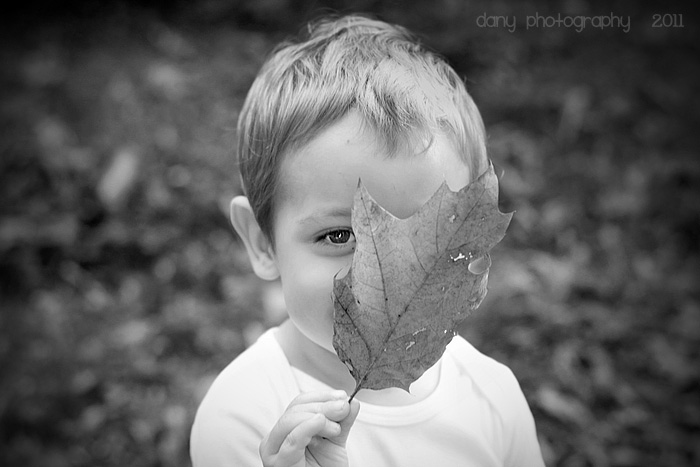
column 312, row 230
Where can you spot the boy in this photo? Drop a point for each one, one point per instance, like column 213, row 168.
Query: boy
column 358, row 99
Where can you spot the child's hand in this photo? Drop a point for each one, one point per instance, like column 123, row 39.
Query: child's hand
column 311, row 432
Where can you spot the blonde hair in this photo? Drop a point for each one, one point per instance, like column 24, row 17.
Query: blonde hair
column 402, row 90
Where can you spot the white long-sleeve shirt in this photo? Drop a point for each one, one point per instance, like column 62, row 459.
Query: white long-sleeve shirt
column 476, row 416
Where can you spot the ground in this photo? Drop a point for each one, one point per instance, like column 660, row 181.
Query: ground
column 125, row 291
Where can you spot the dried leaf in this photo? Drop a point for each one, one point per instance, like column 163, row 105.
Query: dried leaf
column 413, row 280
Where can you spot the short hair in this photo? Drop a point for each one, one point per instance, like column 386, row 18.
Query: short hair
column 400, row 88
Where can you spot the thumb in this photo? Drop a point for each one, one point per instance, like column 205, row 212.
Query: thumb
column 347, row 423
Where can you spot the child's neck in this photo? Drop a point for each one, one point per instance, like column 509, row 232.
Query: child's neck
column 326, row 367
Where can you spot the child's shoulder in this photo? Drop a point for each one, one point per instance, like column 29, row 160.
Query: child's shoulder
column 261, row 367
column 490, row 376
column 245, row 399
column 260, row 377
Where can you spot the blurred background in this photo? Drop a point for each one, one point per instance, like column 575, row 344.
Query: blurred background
column 124, row 291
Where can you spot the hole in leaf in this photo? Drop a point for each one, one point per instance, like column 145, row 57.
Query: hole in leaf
column 480, row 265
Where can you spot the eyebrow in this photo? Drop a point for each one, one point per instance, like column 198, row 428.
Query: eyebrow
column 317, row 216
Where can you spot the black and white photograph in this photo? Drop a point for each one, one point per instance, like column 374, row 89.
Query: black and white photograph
column 349, row 233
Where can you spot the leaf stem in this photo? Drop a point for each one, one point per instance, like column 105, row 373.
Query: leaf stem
column 357, row 388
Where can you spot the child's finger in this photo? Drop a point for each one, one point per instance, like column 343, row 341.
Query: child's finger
column 330, row 405
column 271, row 444
column 287, row 424
column 318, row 396
column 292, row 449
column 347, row 423
column 335, row 410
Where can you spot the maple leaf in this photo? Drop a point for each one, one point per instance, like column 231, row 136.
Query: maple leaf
column 413, row 280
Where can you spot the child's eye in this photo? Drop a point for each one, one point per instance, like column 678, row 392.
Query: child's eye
column 338, row 237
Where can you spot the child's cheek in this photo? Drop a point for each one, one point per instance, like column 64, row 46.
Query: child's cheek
column 309, row 298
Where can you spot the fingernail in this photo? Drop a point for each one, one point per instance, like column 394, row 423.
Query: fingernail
column 337, row 405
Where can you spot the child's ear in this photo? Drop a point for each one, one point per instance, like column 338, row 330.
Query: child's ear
column 256, row 242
